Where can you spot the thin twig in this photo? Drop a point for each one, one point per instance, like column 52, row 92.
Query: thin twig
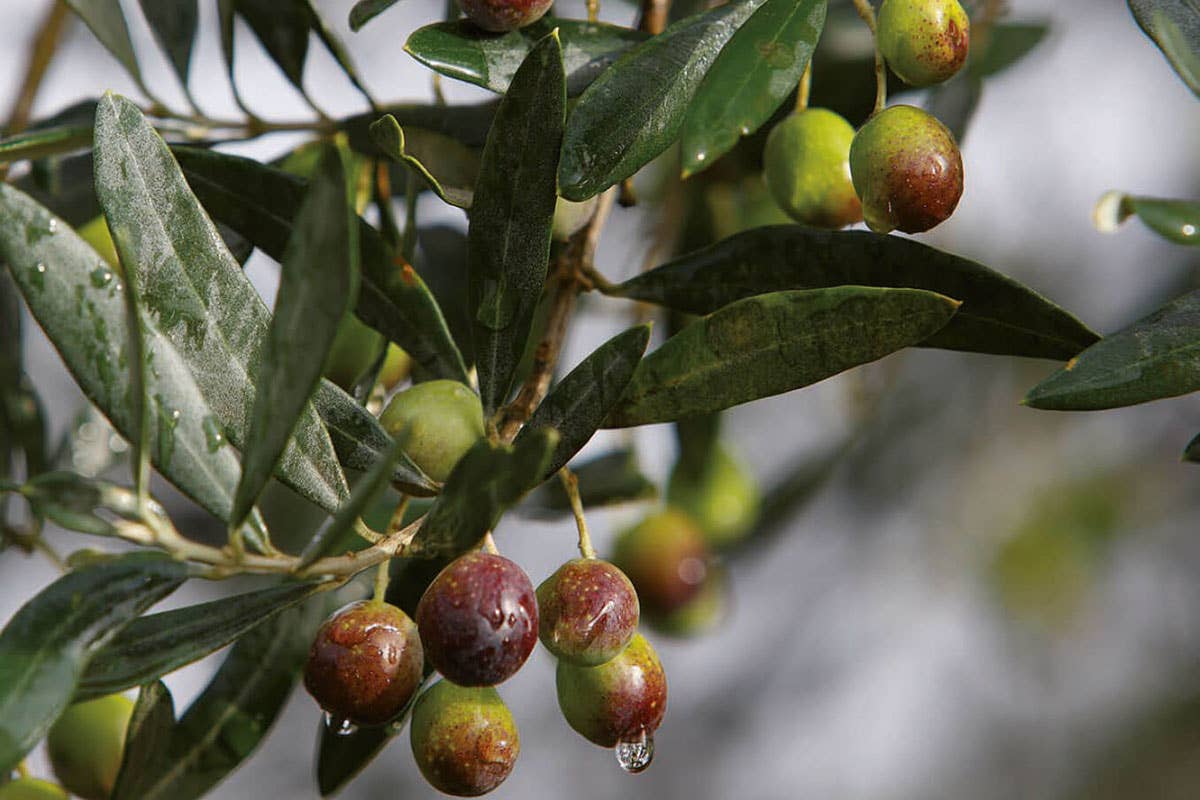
column 569, row 277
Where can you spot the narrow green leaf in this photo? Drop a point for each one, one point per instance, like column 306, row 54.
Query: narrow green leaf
column 107, row 22
column 366, row 10
column 46, row 142
column 76, row 298
column 282, row 28
column 1192, row 453
column 511, row 217
column 225, row 18
column 755, row 72
column 236, row 710
column 1174, row 25
column 146, row 740
column 47, row 644
column 355, row 507
column 463, row 51
column 1176, row 220
column 998, row 314
column 361, row 441
column 260, row 203
column 579, row 404
column 174, row 24
column 198, row 292
column 636, row 108
column 774, row 343
column 158, row 644
column 489, row 479
column 389, row 138
column 1156, row 357
column 318, row 281
column 607, row 480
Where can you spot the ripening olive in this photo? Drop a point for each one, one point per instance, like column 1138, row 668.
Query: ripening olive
column 588, row 611
column 464, row 739
column 923, row 41
column 478, row 619
column 618, row 701
column 499, row 16
column 666, row 559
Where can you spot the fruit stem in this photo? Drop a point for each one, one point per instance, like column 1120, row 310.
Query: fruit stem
column 382, row 576
column 570, row 482
column 22, row 767
column 593, row 11
column 654, row 16
column 805, row 88
column 867, row 12
column 489, row 544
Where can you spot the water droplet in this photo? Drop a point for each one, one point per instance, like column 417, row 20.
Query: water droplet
column 101, row 277
column 38, row 276
column 635, row 755
column 53, row 226
column 212, row 434
column 339, row 726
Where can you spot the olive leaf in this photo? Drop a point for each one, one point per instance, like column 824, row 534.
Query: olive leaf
column 360, row 441
column 1192, row 453
column 1156, row 357
column 174, row 24
column 76, row 298
column 261, row 203
column 511, row 217
column 366, row 10
column 158, row 644
column 318, row 282
column 774, row 343
column 197, row 291
column 637, row 107
column 106, row 20
column 48, row 643
column 486, row 481
column 998, row 314
column 389, row 137
column 1175, row 220
column 461, row 50
column 146, row 740
column 1174, row 25
column 750, row 79
column 578, row 405
column 237, row 709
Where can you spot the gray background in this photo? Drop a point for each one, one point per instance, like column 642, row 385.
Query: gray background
column 867, row 654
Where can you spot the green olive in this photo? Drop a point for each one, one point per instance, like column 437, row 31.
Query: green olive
column 443, row 420
column 96, row 233
column 806, row 164
column 355, row 349
column 923, row 41
column 464, row 739
column 86, row 745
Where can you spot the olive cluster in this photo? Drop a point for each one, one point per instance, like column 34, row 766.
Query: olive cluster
column 476, row 625
column 902, row 170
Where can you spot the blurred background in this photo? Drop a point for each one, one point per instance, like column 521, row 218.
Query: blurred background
column 973, row 599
